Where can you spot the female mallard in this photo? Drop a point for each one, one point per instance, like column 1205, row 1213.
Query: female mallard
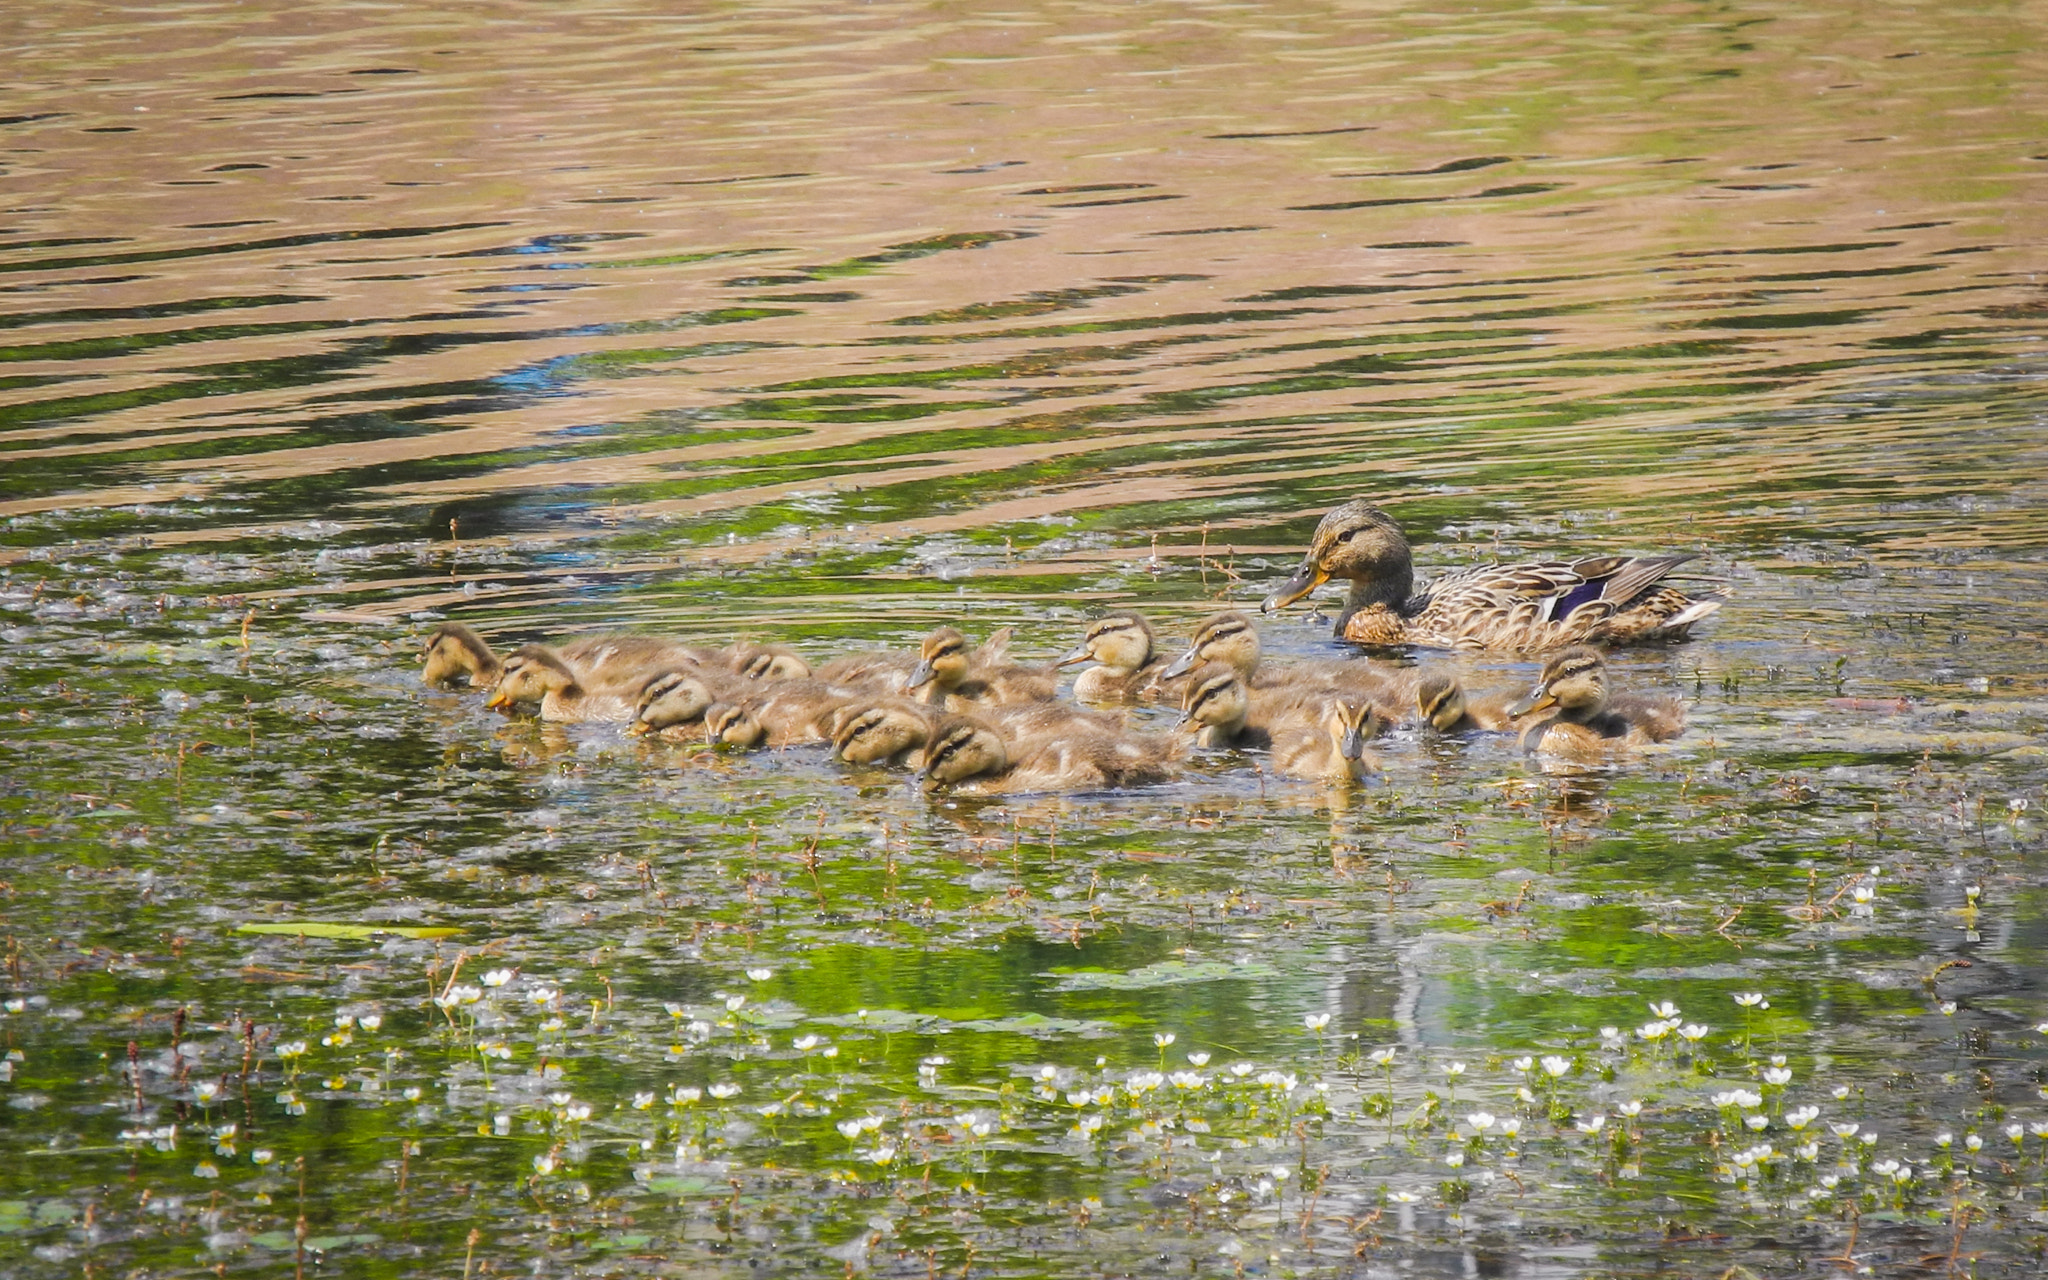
column 1522, row 607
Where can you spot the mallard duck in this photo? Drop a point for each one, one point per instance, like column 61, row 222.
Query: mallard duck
column 1585, row 719
column 1444, row 704
column 953, row 678
column 536, row 676
column 1519, row 607
column 454, row 653
column 673, row 703
column 968, row 755
column 1121, row 644
column 793, row 712
column 766, row 662
column 882, row 729
column 1232, row 638
column 886, row 672
column 1318, row 734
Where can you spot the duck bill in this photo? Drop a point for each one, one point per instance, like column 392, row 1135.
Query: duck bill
column 1534, row 700
column 639, row 729
column 497, row 701
column 1181, row 665
column 1305, row 579
column 1082, row 654
column 1352, row 745
column 920, row 676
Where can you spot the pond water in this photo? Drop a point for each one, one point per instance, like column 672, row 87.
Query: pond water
column 832, row 323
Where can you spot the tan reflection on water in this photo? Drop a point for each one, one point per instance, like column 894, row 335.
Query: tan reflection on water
column 1657, row 263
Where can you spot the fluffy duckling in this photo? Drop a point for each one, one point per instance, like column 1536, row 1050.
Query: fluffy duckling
column 883, row 729
column 536, row 676
column 767, row 662
column 968, row 756
column 794, row 712
column 733, row 724
column 1231, row 637
column 674, row 702
column 1444, row 705
column 1319, row 735
column 454, row 654
column 952, row 678
column 1122, row 646
column 1585, row 720
column 885, row 672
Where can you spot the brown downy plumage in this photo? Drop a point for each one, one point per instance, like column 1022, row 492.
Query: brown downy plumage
column 1122, row 646
column 1516, row 607
column 1317, row 734
column 967, row 755
column 886, row 672
column 950, row 675
column 454, row 655
column 1231, row 637
column 766, row 662
column 673, row 703
column 1448, row 709
column 536, row 678
column 795, row 712
column 1587, row 722
column 883, row 729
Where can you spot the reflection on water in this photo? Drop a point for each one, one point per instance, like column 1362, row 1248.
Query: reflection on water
column 832, row 324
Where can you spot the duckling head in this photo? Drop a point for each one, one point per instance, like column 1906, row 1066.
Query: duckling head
column 528, row 676
column 1441, row 699
column 673, row 697
column 962, row 749
column 1229, row 637
column 1352, row 725
column 1575, row 682
column 1356, row 541
column 1216, row 703
column 770, row 662
column 1120, row 641
column 867, row 734
column 455, row 653
column 733, row 725
column 941, row 662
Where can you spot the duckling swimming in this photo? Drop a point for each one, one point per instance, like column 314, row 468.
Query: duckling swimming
column 883, row 729
column 1586, row 722
column 953, row 679
column 1231, row 637
column 1444, row 705
column 536, row 676
column 1521, row 607
column 767, row 662
column 673, row 703
column 886, row 672
column 1319, row 735
column 969, row 756
column 1122, row 645
column 454, row 654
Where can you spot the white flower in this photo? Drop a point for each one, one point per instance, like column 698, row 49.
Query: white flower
column 370, row 1021
column 1315, row 1021
column 1591, row 1124
column 733, row 1004
column 1198, row 1059
column 1385, row 1057
column 1757, row 1123
column 1844, row 1130
column 1523, row 1064
column 1800, row 1117
column 1403, row 1197
column 1510, row 1126
column 1480, row 1121
column 804, row 1044
column 848, row 1129
column 497, row 977
column 1664, row 1010
column 1554, row 1066
column 642, row 1101
column 1948, row 1008
column 206, row 1091
column 1752, row 1000
column 1631, row 1109
column 724, row 1091
column 1454, row 1069
column 760, row 975
column 1162, row 1038
column 1807, row 1150
column 1777, row 1075
column 206, row 1169
column 544, row 1165
column 1611, row 1038
column 262, row 1155
column 544, row 995
column 1943, row 1139
column 1456, row 1159
column 882, row 1155
column 292, row 1049
column 1187, row 1080
column 1972, row 1142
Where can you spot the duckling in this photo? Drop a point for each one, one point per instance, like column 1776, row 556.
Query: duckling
column 1441, row 699
column 536, row 676
column 952, row 679
column 1587, row 721
column 882, row 729
column 734, row 725
column 453, row 653
column 1519, row 607
column 1317, row 734
column 971, row 757
column 767, row 662
column 886, row 672
column 674, row 702
column 1232, row 638
column 794, row 712
column 1122, row 644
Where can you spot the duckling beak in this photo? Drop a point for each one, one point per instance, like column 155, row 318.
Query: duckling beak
column 497, row 701
column 1306, row 579
column 1082, row 654
column 920, row 675
column 1181, row 666
column 1352, row 746
column 1534, row 700
column 639, row 729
